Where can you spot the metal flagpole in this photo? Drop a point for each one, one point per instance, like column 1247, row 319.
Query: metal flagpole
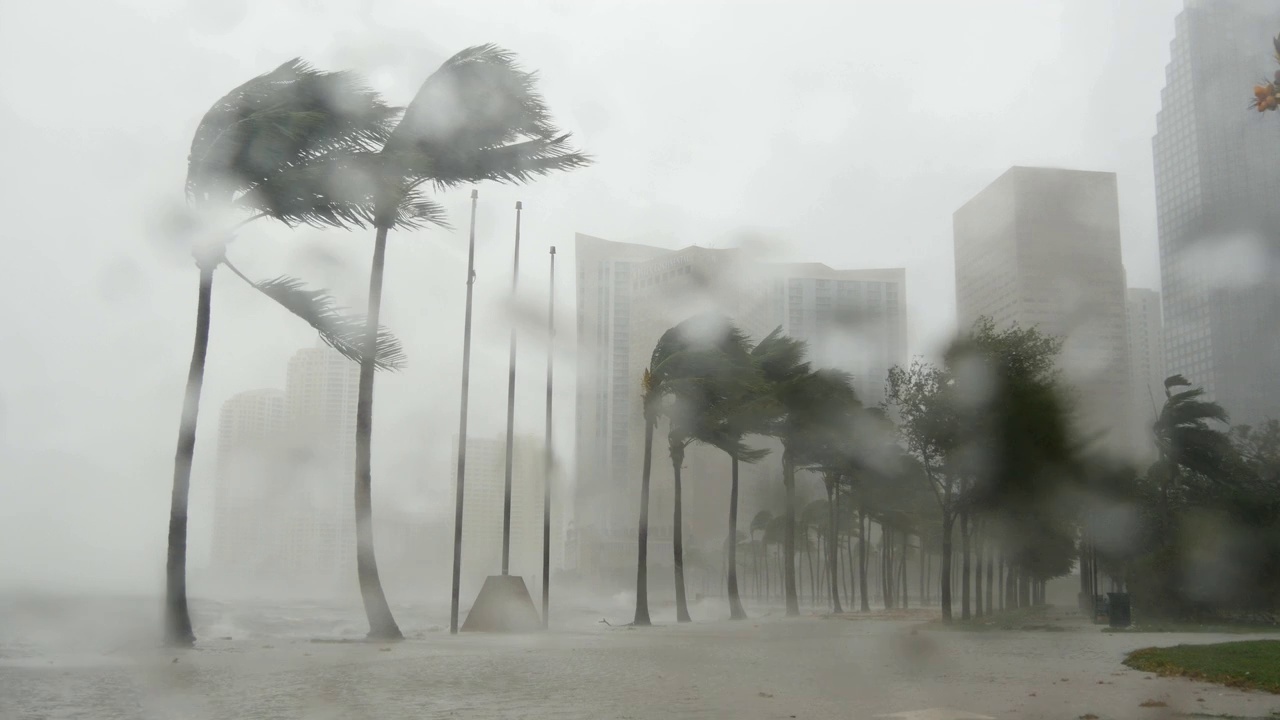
column 511, row 410
column 462, row 424
column 548, row 460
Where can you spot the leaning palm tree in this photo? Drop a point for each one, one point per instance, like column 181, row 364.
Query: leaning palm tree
column 1183, row 435
column 268, row 148
column 478, row 117
column 758, row 524
column 782, row 367
column 692, row 365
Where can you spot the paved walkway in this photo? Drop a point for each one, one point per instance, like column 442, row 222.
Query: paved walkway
column 811, row 667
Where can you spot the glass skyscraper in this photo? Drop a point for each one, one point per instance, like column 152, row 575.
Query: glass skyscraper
column 1217, row 176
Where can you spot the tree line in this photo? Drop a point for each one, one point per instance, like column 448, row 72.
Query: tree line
column 980, row 458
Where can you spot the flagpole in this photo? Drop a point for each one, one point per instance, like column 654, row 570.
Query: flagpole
column 511, row 408
column 462, row 425
column 548, row 460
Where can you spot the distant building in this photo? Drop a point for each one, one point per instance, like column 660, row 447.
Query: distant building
column 1217, row 178
column 1146, row 366
column 483, row 505
column 1040, row 247
column 284, row 520
column 628, row 295
column 251, row 430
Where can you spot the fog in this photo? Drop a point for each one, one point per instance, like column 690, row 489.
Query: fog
column 845, row 135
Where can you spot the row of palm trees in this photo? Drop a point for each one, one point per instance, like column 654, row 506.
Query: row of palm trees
column 306, row 147
column 906, row 466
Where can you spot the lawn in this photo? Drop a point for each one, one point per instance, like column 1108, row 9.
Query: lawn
column 1253, row 664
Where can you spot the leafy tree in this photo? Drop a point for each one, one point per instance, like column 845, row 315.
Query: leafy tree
column 263, row 149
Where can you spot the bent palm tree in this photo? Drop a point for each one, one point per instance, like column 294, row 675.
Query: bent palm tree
column 692, row 365
column 478, row 117
column 257, row 150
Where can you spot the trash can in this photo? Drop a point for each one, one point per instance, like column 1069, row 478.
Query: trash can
column 1119, row 612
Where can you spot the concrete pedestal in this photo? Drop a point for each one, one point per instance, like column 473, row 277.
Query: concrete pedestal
column 503, row 605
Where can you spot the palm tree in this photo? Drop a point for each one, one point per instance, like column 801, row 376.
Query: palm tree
column 759, row 524
column 783, row 371
column 478, row 117
column 692, row 366
column 266, row 148
column 1184, row 437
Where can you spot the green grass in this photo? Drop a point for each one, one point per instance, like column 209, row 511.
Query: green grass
column 1174, row 627
column 1252, row 664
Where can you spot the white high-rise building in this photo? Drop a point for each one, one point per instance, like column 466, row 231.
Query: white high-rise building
column 251, row 430
column 284, row 518
column 628, row 295
column 1146, row 366
column 1040, row 247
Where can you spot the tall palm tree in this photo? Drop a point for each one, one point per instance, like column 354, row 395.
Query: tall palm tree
column 269, row 148
column 759, row 524
column 783, row 370
column 810, row 404
column 478, row 117
column 692, row 365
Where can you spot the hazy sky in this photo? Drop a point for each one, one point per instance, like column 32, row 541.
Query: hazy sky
column 844, row 133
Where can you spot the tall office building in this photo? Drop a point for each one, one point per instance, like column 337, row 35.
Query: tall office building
column 284, row 520
column 1146, row 366
column 251, row 428
column 628, row 295
column 1040, row 247
column 1217, row 176
column 483, row 501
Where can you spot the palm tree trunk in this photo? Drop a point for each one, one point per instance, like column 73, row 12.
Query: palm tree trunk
column 906, row 547
column 642, row 561
column 382, row 625
column 991, row 603
column 677, row 532
column 789, row 536
column 964, row 565
column 735, row 603
column 977, row 580
column 177, row 618
column 849, row 567
column 865, row 605
column 944, row 582
column 808, row 556
column 833, row 545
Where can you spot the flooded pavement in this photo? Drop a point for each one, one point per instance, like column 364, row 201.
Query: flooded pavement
column 810, row 667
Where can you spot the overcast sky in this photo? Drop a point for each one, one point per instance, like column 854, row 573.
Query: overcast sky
column 844, row 133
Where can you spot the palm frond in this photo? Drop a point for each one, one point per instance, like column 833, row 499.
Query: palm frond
column 480, row 117
column 341, row 330
column 282, row 119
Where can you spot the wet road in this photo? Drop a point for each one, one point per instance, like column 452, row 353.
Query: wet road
column 811, row 667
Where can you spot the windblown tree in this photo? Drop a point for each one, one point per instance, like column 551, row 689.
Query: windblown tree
column 921, row 398
column 478, row 118
column 783, row 373
column 691, row 367
column 810, row 404
column 270, row 148
column 1016, row 451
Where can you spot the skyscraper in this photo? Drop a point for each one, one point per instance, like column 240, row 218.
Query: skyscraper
column 1146, row 366
column 251, row 427
column 283, row 516
column 1217, row 176
column 1040, row 247
column 628, row 295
